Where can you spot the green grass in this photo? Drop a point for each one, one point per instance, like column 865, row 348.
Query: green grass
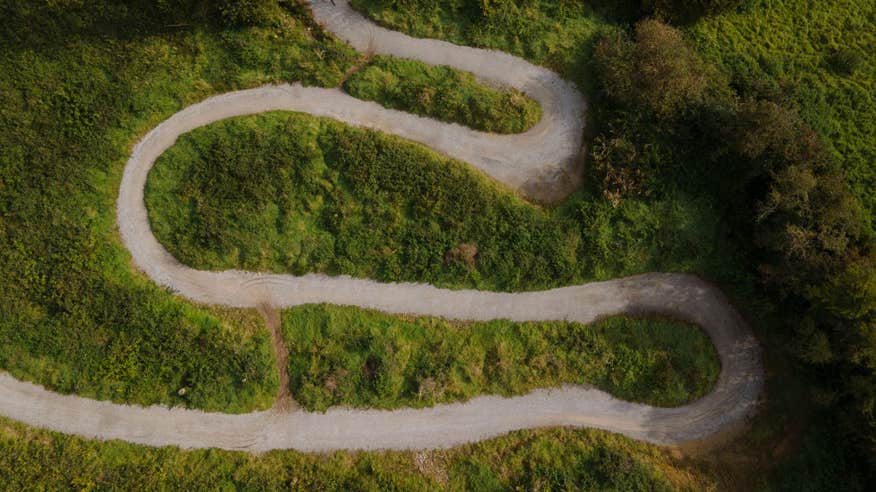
column 78, row 85
column 443, row 93
column 817, row 56
column 549, row 460
column 357, row 358
column 293, row 193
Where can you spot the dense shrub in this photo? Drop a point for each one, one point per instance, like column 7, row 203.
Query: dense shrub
column 245, row 12
column 845, row 61
column 649, row 83
column 656, row 69
column 807, row 217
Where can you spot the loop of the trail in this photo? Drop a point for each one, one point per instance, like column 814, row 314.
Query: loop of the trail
column 539, row 163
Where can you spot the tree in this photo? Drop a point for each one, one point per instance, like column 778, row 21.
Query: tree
column 655, row 70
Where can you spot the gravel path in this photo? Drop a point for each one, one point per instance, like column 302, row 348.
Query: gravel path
column 533, row 163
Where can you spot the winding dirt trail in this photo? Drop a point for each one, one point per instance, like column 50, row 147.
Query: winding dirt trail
column 539, row 163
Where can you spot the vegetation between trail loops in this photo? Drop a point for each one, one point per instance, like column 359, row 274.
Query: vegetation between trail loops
column 293, row 193
column 443, row 93
column 351, row 357
column 556, row 34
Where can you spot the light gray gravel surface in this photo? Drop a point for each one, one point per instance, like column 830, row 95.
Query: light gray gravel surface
column 515, row 160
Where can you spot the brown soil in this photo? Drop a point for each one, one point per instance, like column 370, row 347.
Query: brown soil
column 284, row 402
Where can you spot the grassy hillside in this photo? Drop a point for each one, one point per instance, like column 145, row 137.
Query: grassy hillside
column 345, row 356
column 79, row 84
column 766, row 107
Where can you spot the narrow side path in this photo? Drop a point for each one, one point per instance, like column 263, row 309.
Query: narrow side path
column 273, row 322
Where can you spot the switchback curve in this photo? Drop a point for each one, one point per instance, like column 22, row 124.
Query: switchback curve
column 537, row 163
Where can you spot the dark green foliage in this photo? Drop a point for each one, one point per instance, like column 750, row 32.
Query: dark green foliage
column 788, row 202
column 815, row 58
column 346, row 356
column 845, row 61
column 814, row 251
column 686, row 10
column 841, row 329
column 807, row 218
column 816, row 245
column 820, row 465
column 443, row 93
column 555, row 459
